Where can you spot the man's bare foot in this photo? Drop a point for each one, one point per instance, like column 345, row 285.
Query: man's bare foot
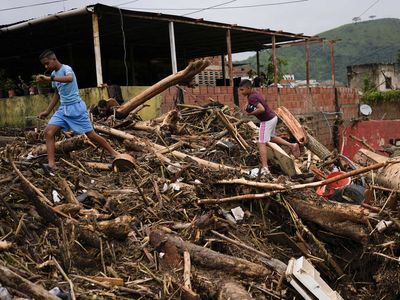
column 295, row 148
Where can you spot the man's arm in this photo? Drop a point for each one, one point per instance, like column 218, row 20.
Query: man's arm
column 66, row 78
column 52, row 104
column 259, row 110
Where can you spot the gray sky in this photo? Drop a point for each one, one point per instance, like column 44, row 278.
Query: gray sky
column 308, row 17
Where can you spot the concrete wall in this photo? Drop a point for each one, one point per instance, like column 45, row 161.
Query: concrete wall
column 314, row 106
column 22, row 111
column 373, row 72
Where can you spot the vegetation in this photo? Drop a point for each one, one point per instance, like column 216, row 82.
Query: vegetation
column 378, row 96
column 358, row 43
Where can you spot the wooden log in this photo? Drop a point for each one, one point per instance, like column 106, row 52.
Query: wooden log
column 10, row 279
column 184, row 75
column 317, row 148
column 170, row 120
column 155, row 148
column 263, row 185
column 67, row 192
column 389, row 176
column 209, row 258
column 294, row 126
column 118, row 228
column 65, row 146
column 342, row 219
column 232, row 290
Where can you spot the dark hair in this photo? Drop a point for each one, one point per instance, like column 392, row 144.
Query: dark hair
column 245, row 82
column 102, row 103
column 46, row 53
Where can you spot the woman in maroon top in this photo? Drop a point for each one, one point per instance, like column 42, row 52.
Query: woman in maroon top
column 257, row 106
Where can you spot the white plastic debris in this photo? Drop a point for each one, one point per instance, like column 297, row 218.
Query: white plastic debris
column 228, row 216
column 196, row 181
column 383, row 225
column 254, row 172
column 165, row 187
column 30, row 156
column 238, row 213
column 306, row 280
column 56, row 196
column 174, row 168
column 161, row 254
column 4, row 294
column 92, row 181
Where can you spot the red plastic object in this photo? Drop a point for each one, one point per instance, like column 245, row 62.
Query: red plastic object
column 327, row 190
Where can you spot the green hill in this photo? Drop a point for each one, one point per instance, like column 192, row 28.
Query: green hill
column 371, row 41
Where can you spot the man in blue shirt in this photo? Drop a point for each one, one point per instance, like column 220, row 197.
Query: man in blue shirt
column 72, row 113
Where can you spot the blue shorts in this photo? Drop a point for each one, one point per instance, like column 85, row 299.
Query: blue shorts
column 74, row 117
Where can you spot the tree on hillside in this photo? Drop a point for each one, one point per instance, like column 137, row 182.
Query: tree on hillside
column 270, row 69
column 398, row 57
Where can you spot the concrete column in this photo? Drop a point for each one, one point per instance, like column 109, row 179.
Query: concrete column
column 97, row 52
column 172, row 47
column 223, row 68
column 258, row 62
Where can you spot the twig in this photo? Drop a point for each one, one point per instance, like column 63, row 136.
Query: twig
column 71, row 285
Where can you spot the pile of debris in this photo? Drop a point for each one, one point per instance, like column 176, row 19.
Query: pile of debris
column 192, row 219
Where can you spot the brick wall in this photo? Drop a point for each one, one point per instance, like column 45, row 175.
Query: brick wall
column 315, row 106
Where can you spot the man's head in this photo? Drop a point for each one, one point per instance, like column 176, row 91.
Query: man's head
column 102, row 107
column 245, row 87
column 49, row 60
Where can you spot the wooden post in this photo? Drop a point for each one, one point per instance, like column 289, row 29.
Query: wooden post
column 258, row 62
column 307, row 64
column 172, row 47
column 229, row 50
column 331, row 46
column 97, row 52
column 223, row 68
column 274, row 59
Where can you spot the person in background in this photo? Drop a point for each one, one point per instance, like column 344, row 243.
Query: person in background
column 105, row 108
column 257, row 106
column 72, row 113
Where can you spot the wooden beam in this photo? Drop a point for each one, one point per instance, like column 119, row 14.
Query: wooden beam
column 229, row 50
column 274, row 61
column 172, row 47
column 97, row 52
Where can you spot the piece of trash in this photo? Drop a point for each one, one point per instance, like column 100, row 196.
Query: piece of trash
column 196, row 181
column 92, row 181
column 175, row 168
column 228, row 216
column 56, row 196
column 383, row 225
column 161, row 254
column 164, row 188
column 82, row 197
column 302, row 275
column 30, row 156
column 238, row 213
column 56, row 291
column 253, row 173
column 4, row 293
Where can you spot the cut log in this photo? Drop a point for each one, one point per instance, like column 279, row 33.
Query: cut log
column 118, row 228
column 389, row 176
column 294, row 126
column 232, row 290
column 65, row 146
column 342, row 219
column 185, row 75
column 10, row 279
column 67, row 192
column 209, row 258
column 278, row 156
column 317, row 148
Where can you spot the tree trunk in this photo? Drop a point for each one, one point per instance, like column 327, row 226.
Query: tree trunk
column 65, row 146
column 209, row 258
column 10, row 279
column 292, row 124
column 317, row 148
column 389, row 176
column 231, row 290
column 342, row 219
column 185, row 75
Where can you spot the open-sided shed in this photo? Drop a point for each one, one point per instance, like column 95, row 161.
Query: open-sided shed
column 105, row 44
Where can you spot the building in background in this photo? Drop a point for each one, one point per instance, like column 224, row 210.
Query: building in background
column 381, row 76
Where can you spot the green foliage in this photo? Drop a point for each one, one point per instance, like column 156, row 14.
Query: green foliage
column 360, row 43
column 368, row 85
column 374, row 96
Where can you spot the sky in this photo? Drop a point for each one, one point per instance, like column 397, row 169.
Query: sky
column 298, row 16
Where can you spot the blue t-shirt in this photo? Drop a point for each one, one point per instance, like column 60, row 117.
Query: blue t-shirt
column 68, row 91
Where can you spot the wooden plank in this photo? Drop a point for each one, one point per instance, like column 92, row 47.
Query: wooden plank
column 277, row 155
column 294, row 126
